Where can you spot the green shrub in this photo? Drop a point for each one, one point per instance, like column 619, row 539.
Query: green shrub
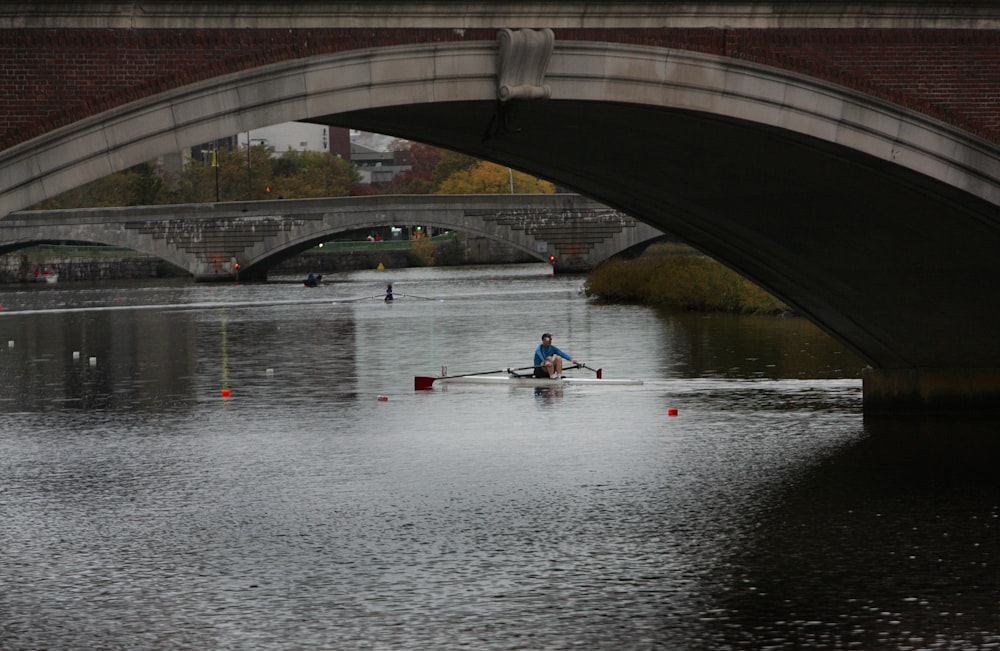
column 422, row 252
column 680, row 279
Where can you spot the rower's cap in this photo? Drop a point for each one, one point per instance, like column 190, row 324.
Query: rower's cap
column 547, row 335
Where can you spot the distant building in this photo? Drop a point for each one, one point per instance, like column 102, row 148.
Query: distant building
column 366, row 150
column 280, row 138
column 378, row 167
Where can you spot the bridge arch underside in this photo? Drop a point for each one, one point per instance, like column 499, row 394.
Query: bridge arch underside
column 896, row 265
column 876, row 223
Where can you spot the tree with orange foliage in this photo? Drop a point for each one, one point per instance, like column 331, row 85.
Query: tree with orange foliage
column 489, row 178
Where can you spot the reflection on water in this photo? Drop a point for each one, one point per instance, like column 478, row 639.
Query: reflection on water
column 771, row 347
column 890, row 542
column 548, row 396
column 142, row 510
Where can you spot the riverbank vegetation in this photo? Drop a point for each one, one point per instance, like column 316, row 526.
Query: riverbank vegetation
column 677, row 276
column 239, row 175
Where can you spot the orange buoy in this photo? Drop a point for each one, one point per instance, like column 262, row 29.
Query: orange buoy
column 226, row 393
column 672, row 412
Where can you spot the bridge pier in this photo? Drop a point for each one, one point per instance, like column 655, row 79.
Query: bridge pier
column 931, row 391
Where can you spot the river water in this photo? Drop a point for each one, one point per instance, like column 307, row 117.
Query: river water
column 327, row 505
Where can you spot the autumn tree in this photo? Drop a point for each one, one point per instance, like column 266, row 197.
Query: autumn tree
column 137, row 186
column 293, row 175
column 417, row 180
column 309, row 174
column 450, row 164
column 239, row 178
column 485, row 177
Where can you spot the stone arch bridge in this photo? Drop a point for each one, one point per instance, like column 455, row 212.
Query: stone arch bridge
column 843, row 155
column 208, row 240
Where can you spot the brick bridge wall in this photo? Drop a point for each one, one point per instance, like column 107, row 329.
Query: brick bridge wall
column 54, row 77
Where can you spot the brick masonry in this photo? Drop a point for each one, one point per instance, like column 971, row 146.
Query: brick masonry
column 54, row 77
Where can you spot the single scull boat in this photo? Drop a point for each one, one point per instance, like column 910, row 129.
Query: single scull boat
column 512, row 379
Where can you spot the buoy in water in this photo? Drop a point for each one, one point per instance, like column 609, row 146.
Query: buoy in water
column 76, row 354
column 383, row 398
column 93, row 361
column 226, row 393
column 672, row 411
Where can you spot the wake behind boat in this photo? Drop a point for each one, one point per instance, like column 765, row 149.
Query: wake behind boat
column 511, row 378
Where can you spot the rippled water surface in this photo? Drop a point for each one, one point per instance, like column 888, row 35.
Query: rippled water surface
column 143, row 510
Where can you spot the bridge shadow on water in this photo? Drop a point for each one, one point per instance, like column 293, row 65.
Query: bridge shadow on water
column 891, row 542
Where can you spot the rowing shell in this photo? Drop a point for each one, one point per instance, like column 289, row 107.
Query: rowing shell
column 426, row 382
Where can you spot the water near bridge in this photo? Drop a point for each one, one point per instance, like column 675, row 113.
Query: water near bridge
column 142, row 510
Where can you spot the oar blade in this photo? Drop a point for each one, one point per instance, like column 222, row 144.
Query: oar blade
column 423, row 382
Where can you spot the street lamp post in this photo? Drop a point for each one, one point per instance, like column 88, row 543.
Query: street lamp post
column 215, row 164
column 249, row 170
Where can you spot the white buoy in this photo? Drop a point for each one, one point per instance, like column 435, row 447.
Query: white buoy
column 93, row 361
column 269, row 372
column 10, row 343
column 76, row 354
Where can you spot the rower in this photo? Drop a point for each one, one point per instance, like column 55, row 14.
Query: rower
column 549, row 359
column 388, row 293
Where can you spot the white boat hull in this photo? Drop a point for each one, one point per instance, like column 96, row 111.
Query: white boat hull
column 533, row 381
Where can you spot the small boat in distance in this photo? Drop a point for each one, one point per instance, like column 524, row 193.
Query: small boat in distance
column 46, row 276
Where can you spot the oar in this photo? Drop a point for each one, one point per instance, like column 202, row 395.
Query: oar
column 598, row 371
column 423, row 298
column 424, row 382
column 352, row 300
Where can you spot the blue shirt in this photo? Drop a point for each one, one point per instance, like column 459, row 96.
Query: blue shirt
column 544, row 351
